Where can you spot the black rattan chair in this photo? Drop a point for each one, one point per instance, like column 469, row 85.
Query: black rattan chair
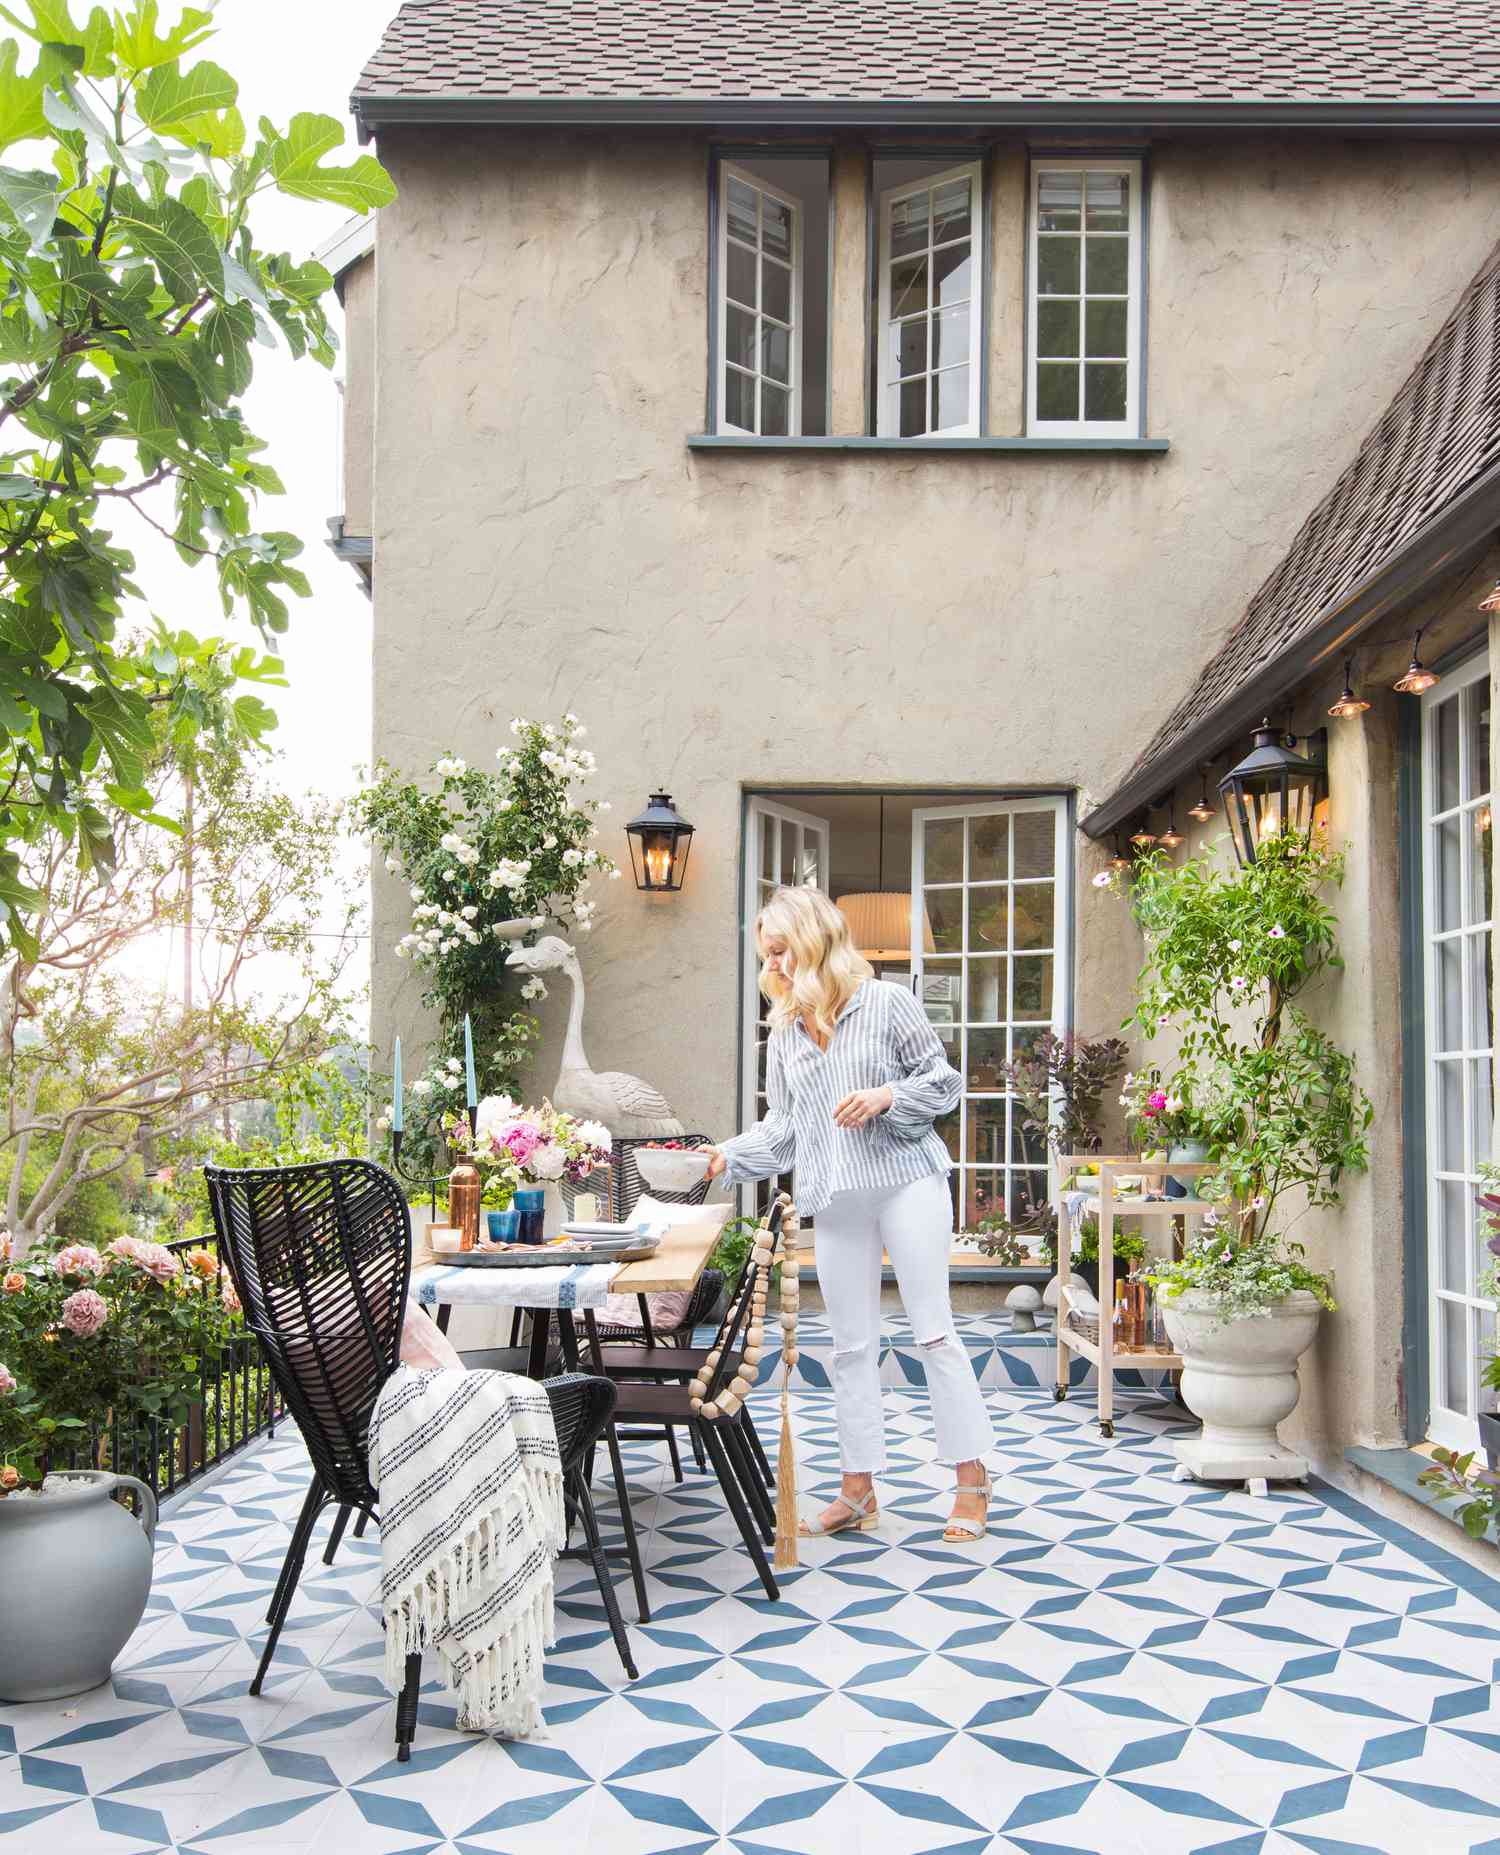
column 320, row 1256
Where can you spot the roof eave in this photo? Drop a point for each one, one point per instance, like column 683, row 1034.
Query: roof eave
column 1468, row 523
column 373, row 111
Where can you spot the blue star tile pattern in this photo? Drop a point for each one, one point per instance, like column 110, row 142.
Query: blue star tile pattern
column 1126, row 1665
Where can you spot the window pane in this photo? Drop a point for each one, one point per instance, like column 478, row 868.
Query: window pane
column 1446, row 750
column 1105, row 325
column 1450, row 1115
column 909, row 345
column 989, row 849
column 950, row 211
column 1481, row 993
column 950, row 398
column 1057, row 329
column 1455, row 1359
column 1036, row 843
column 1032, row 915
column 1059, row 202
column 984, row 1195
column 1057, row 266
column 1107, row 272
column 739, row 275
column 741, row 205
column 1026, row 1148
column 950, row 274
column 943, row 849
column 1448, row 982
column 1032, row 996
column 985, row 1056
column 1457, row 1235
column 1479, row 739
column 908, row 286
column 739, row 337
column 987, row 990
column 1104, row 390
column 909, row 225
column 950, row 336
column 776, row 350
column 776, row 228
column 739, row 399
column 1108, row 203
column 1056, row 391
column 945, row 912
column 776, row 290
column 989, row 919
column 913, row 408
column 1481, row 875
column 1447, row 854
column 775, row 411
column 1481, row 1108
column 986, row 1131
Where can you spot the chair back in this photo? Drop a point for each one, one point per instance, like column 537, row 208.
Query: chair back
column 320, row 1256
column 733, row 1336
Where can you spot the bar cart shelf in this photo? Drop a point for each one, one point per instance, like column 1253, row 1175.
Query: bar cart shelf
column 1150, row 1204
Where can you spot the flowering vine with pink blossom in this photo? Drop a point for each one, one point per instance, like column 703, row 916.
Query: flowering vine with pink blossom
column 98, row 1342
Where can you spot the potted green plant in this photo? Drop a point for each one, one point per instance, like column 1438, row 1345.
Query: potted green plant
column 93, row 1344
column 1228, row 951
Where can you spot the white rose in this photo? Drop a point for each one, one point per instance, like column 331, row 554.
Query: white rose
column 595, row 1133
column 494, row 1111
column 547, row 1161
column 421, row 1087
column 572, row 857
column 416, row 895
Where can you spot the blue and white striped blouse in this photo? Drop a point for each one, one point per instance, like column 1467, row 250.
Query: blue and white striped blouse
column 882, row 1036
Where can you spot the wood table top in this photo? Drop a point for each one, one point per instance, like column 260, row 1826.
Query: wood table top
column 679, row 1261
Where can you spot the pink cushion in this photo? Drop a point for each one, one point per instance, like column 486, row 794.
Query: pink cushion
column 667, row 1310
column 424, row 1345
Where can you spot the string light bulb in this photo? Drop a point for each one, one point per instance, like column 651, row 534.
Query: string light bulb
column 1349, row 706
column 1202, row 810
column 1418, row 677
column 1119, row 862
column 1145, row 837
column 1171, row 837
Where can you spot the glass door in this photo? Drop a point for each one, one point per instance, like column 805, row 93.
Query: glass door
column 784, row 848
column 1460, row 1017
column 992, row 883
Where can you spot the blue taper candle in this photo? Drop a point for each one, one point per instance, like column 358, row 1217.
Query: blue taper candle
column 398, row 1112
column 471, row 1095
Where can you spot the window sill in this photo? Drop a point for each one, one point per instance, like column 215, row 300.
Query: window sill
column 716, row 441
column 1400, row 1469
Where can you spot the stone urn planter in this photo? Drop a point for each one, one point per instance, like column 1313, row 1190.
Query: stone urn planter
column 77, row 1568
column 1239, row 1378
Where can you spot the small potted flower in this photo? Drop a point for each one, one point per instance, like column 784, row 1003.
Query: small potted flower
column 1171, row 1119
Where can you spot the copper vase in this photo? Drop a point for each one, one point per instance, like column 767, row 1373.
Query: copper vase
column 464, row 1189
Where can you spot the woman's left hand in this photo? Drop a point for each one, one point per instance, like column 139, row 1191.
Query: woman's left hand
column 863, row 1105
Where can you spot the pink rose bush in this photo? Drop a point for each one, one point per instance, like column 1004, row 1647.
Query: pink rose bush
column 84, row 1313
column 7, row 1382
column 155, row 1258
column 79, row 1259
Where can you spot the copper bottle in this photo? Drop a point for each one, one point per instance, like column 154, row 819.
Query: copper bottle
column 464, row 1188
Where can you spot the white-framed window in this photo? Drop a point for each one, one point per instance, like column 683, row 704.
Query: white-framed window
column 1458, row 952
column 931, row 324
column 1085, row 278
column 759, row 307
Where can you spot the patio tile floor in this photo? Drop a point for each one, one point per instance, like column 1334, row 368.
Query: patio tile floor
column 1128, row 1665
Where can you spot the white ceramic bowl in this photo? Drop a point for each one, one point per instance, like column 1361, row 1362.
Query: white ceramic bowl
column 676, row 1169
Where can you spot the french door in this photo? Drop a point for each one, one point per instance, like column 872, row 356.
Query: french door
column 1457, row 934
column 990, row 882
column 786, row 849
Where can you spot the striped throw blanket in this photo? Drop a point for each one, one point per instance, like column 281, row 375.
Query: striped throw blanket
column 471, row 1517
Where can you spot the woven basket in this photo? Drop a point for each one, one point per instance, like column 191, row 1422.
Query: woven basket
column 1086, row 1324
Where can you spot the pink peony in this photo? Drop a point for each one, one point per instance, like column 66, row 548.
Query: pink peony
column 79, row 1259
column 7, row 1381
column 155, row 1258
column 523, row 1139
column 547, row 1160
column 84, row 1312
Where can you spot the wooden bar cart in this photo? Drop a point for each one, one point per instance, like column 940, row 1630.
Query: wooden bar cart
column 1149, row 1203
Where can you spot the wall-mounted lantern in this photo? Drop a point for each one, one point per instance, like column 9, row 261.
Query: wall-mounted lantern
column 1271, row 793
column 660, row 840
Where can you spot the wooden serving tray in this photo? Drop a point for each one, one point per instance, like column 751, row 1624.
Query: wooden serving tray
column 544, row 1256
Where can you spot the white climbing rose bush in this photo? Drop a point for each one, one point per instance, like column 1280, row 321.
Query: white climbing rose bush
column 477, row 850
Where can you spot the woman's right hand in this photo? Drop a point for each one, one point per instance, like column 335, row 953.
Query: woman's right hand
column 716, row 1161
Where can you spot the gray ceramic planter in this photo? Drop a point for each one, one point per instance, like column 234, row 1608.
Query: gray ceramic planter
column 78, row 1571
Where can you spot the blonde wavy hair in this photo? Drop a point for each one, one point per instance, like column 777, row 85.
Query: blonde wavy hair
column 830, row 969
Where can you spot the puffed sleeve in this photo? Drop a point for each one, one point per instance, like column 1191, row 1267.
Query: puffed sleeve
column 929, row 1085
column 770, row 1146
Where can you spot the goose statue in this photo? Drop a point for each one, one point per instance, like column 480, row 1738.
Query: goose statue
column 627, row 1106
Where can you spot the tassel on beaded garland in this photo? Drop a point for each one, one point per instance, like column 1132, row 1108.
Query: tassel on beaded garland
column 785, row 1558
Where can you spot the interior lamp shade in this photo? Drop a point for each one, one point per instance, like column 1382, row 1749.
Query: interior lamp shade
column 881, row 925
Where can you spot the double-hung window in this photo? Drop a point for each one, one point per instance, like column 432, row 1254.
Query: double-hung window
column 760, row 306
column 1084, row 312
column 931, row 272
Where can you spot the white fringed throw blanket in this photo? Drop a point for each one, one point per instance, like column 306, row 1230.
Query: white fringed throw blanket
column 471, row 1516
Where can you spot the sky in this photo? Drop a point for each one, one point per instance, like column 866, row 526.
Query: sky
column 291, row 55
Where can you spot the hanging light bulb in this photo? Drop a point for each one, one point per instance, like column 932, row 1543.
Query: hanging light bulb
column 1349, row 706
column 1418, row 677
column 1145, row 837
column 1491, row 600
column 1119, row 861
column 1171, row 837
column 1202, row 810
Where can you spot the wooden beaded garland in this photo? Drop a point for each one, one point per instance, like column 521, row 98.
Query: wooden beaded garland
column 740, row 1385
column 695, row 1405
column 709, row 1410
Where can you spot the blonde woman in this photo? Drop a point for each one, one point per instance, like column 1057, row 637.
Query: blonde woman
column 855, row 1077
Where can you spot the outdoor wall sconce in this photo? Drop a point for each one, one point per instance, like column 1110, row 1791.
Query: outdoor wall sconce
column 1349, row 706
column 1418, row 677
column 1273, row 792
column 1202, row 810
column 660, row 840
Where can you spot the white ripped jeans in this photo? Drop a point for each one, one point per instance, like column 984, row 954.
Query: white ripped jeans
column 914, row 1225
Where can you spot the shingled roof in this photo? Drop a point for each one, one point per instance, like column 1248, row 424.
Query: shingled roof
column 1423, row 485
column 532, row 57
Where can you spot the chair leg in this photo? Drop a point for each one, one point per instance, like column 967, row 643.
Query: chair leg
column 698, row 1455
column 312, row 1503
column 671, row 1436
column 606, row 1584
column 758, row 1448
column 335, row 1534
column 360, row 1524
column 735, row 1501
column 627, row 1521
column 290, row 1573
column 738, row 1451
column 406, row 1708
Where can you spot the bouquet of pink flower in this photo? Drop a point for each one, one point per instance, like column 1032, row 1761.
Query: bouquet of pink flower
column 514, row 1146
column 91, row 1340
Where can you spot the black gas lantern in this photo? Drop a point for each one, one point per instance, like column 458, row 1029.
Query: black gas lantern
column 1271, row 793
column 660, row 840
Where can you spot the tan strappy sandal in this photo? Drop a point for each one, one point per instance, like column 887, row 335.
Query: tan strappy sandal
column 863, row 1518
column 966, row 1532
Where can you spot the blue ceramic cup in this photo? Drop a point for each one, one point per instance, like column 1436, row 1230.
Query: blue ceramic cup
column 529, row 1204
column 504, row 1225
